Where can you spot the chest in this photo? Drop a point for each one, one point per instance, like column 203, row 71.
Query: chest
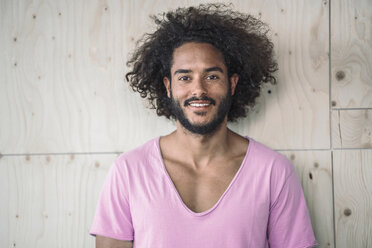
column 201, row 190
column 159, row 210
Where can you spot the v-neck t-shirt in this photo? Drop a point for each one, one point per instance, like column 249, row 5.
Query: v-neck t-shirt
column 263, row 206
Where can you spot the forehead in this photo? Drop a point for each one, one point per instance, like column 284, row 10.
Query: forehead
column 197, row 55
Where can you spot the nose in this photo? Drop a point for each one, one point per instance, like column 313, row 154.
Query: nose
column 199, row 87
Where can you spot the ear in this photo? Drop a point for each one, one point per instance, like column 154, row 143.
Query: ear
column 166, row 83
column 234, row 81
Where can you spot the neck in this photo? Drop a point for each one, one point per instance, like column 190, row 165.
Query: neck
column 200, row 150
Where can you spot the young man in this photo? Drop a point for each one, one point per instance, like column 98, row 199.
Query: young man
column 202, row 186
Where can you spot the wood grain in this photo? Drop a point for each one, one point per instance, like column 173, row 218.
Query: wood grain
column 63, row 87
column 353, row 198
column 294, row 114
column 49, row 201
column 314, row 169
column 351, row 40
column 62, row 90
column 52, row 199
column 352, row 128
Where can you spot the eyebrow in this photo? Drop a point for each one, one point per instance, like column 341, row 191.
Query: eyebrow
column 215, row 68
column 182, row 71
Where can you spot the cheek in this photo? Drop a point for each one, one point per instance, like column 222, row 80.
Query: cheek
column 179, row 92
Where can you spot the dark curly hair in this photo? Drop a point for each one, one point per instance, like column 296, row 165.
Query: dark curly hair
column 241, row 38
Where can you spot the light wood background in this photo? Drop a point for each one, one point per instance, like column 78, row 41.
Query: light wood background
column 65, row 111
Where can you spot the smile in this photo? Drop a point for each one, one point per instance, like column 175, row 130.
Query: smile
column 199, row 104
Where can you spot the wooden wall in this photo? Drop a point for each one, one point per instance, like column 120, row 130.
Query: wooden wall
column 65, row 111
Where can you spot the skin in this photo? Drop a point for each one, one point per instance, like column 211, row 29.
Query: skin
column 198, row 70
column 200, row 166
column 104, row 242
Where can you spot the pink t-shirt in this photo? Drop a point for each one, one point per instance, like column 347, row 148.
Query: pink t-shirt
column 263, row 206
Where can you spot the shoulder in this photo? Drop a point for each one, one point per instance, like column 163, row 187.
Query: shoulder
column 275, row 162
column 277, row 170
column 140, row 154
column 144, row 154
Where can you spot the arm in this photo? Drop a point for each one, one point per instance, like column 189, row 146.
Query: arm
column 289, row 220
column 104, row 242
column 112, row 224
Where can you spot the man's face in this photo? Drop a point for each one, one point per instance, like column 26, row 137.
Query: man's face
column 200, row 90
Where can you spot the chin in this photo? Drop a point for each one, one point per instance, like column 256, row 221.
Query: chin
column 200, row 120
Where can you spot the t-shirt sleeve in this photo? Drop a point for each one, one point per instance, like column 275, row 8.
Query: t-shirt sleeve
column 113, row 217
column 289, row 221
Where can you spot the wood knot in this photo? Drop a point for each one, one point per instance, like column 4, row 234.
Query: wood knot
column 316, row 165
column 72, row 156
column 292, row 157
column 347, row 212
column 96, row 164
column 340, row 75
column 27, row 158
column 47, row 159
column 334, row 103
column 311, row 176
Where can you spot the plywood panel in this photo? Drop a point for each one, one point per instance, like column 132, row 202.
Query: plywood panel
column 49, row 201
column 351, row 53
column 352, row 128
column 63, row 66
column 314, row 169
column 4, row 212
column 295, row 113
column 353, row 198
column 63, row 89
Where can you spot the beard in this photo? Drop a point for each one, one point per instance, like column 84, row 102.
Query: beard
column 202, row 129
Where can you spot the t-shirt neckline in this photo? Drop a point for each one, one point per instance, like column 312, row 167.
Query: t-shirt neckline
column 170, row 182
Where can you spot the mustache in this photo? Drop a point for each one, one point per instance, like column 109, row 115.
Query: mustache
column 203, row 98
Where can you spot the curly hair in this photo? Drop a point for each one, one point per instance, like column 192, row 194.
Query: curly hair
column 241, row 38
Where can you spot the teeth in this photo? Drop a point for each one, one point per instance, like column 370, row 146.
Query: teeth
column 199, row 104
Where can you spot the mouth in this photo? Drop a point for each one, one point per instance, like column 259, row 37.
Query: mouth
column 202, row 102
column 199, row 104
column 200, row 108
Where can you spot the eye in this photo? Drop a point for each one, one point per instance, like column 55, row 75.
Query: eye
column 212, row 77
column 184, row 78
